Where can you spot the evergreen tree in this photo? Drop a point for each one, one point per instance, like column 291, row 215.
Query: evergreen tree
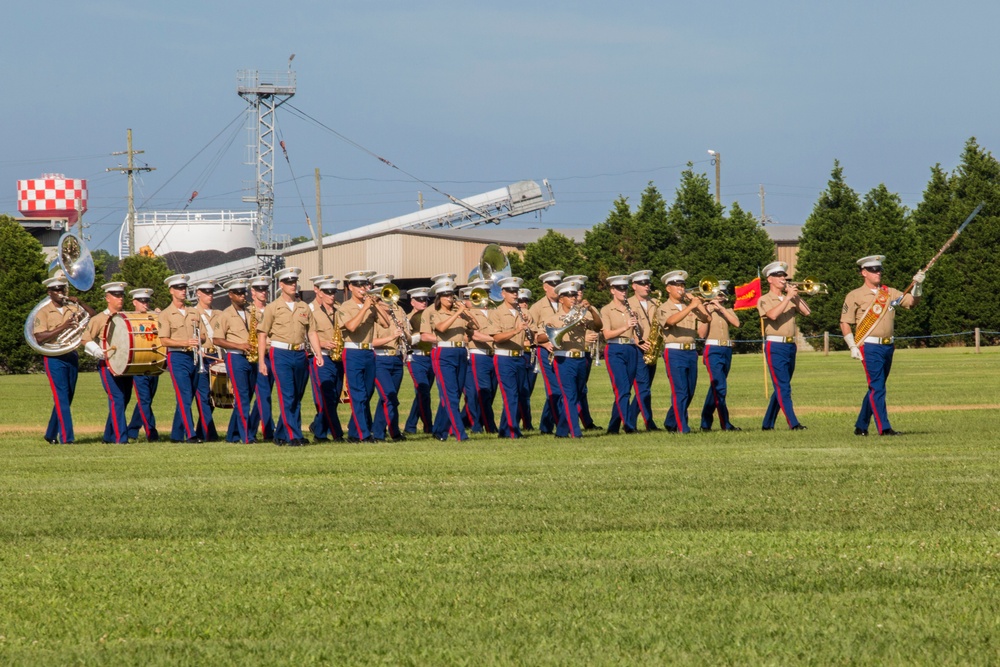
column 833, row 238
column 930, row 221
column 22, row 270
column 139, row 271
column 551, row 252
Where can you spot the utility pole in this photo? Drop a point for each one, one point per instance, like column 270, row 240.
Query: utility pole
column 130, row 172
column 319, row 226
column 717, row 161
column 763, row 216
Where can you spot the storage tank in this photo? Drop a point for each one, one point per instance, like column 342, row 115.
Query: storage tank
column 190, row 231
column 52, row 196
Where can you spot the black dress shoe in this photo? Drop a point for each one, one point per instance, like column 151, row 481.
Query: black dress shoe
column 669, row 429
column 766, row 428
column 280, row 443
column 154, row 436
column 706, row 429
column 733, row 428
column 798, row 427
column 860, row 431
column 441, row 438
column 652, row 427
column 192, row 441
column 399, row 438
column 53, row 441
column 609, row 432
column 337, row 438
column 630, row 431
column 592, row 427
column 889, row 431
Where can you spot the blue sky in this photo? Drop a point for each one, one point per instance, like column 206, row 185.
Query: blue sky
column 600, row 98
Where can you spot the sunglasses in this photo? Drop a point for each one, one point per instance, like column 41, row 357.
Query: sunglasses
column 207, row 291
column 360, row 283
column 422, row 299
column 620, row 288
column 258, row 288
column 238, row 292
column 677, row 283
column 873, row 269
column 329, row 292
column 552, row 282
column 182, row 286
column 780, row 275
column 644, row 283
column 117, row 295
column 446, row 295
column 58, row 289
column 510, row 290
column 571, row 295
column 143, row 300
column 289, row 281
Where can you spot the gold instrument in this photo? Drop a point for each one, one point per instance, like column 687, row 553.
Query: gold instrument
column 708, row 288
column 252, row 354
column 570, row 320
column 810, row 287
column 76, row 262
column 493, row 266
column 480, row 297
column 389, row 294
column 656, row 340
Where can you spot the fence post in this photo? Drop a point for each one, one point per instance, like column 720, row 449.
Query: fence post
column 977, row 340
column 826, row 343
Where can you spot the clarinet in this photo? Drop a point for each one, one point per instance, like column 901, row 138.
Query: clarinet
column 636, row 327
column 528, row 333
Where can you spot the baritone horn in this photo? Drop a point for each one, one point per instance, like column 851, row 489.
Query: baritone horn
column 810, row 287
column 389, row 293
column 480, row 297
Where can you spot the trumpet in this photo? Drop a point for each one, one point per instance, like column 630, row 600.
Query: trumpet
column 810, row 287
column 708, row 288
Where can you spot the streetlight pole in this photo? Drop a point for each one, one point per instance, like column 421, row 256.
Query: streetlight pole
column 717, row 161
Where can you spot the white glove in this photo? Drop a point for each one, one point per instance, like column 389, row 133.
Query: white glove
column 918, row 277
column 94, row 350
column 414, row 339
column 856, row 353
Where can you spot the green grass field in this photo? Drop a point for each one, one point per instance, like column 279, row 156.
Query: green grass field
column 780, row 547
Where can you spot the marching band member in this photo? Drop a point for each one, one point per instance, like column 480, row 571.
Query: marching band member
column 327, row 380
column 50, row 322
column 508, row 326
column 285, row 326
column 206, row 422
column 570, row 360
column 419, row 362
column 356, row 318
column 644, row 307
column 678, row 317
column 449, row 320
column 144, row 386
column 177, row 324
column 524, row 402
column 593, row 338
column 260, row 414
column 541, row 309
column 778, row 309
column 388, row 366
column 718, row 358
column 117, row 387
column 874, row 302
column 232, row 334
column 622, row 352
column 480, row 378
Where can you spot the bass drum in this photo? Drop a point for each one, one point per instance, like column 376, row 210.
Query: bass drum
column 132, row 345
column 220, row 388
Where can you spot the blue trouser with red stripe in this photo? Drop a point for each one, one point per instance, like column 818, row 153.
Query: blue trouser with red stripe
column 144, row 387
column 527, row 387
column 62, row 372
column 183, row 375
column 243, row 376
column 422, row 373
column 717, row 359
column 327, row 385
column 359, row 374
column 585, row 416
column 781, row 366
column 642, row 401
column 511, row 374
column 290, row 377
column 682, row 373
column 119, row 391
column 388, row 378
column 571, row 378
column 480, row 390
column 449, row 369
column 206, row 422
column 553, row 400
column 622, row 360
column 877, row 360
column 260, row 414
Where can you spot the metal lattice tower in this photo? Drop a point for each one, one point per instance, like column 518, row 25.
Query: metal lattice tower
column 265, row 92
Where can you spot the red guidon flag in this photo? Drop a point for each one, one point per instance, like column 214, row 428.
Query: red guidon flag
column 747, row 295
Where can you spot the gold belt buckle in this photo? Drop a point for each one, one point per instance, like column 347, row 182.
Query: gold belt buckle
column 687, row 346
column 576, row 354
column 294, row 348
column 364, row 346
column 887, row 341
column 789, row 339
column 515, row 353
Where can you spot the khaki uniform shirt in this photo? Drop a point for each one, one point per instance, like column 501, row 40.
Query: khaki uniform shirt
column 614, row 316
column 209, row 320
column 95, row 328
column 324, row 321
column 286, row 325
column 718, row 327
column 433, row 316
column 382, row 331
column 783, row 326
column 685, row 331
column 857, row 303
column 482, row 318
column 49, row 317
column 644, row 316
column 177, row 325
column 231, row 327
column 416, row 324
column 575, row 337
column 504, row 319
column 540, row 310
column 365, row 333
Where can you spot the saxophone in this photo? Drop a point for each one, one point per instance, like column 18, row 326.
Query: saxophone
column 337, row 352
column 656, row 340
column 252, row 353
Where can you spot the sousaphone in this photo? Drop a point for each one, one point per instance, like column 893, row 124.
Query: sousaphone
column 493, row 267
column 76, row 262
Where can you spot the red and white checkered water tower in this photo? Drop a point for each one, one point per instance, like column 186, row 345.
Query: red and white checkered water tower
column 52, row 196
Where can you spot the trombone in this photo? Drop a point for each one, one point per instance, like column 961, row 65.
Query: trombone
column 480, row 298
column 708, row 288
column 810, row 287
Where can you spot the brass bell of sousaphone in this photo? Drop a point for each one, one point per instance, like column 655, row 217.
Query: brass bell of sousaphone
column 493, row 267
column 76, row 262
